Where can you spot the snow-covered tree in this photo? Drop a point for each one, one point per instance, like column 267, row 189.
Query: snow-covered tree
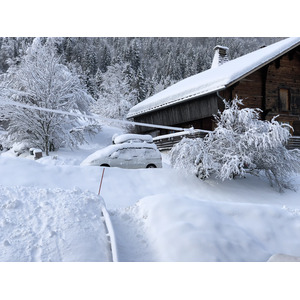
column 115, row 96
column 240, row 143
column 40, row 80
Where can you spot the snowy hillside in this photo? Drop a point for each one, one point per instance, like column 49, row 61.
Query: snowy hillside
column 50, row 211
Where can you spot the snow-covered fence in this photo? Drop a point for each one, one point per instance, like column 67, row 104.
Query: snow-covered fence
column 110, row 235
column 166, row 142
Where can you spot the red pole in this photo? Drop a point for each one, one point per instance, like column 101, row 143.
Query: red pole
column 101, row 181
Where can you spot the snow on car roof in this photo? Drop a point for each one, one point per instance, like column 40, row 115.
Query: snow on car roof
column 132, row 137
column 215, row 79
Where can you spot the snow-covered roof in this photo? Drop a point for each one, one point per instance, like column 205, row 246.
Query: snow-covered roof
column 214, row 79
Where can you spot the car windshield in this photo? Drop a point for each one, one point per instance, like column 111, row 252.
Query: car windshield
column 131, row 152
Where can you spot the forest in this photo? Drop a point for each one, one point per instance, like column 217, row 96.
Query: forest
column 144, row 65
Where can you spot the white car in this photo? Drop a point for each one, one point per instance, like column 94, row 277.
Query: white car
column 132, row 155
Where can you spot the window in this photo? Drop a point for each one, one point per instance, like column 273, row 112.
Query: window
column 284, row 99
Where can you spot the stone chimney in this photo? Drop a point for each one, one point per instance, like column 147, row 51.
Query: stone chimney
column 220, row 56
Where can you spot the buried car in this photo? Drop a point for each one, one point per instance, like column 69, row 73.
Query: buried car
column 126, row 155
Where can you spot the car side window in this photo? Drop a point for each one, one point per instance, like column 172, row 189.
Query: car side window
column 125, row 154
column 151, row 153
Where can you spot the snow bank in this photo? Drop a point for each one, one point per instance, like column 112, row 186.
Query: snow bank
column 39, row 224
column 283, row 258
column 182, row 228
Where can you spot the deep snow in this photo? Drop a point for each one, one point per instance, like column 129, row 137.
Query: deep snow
column 40, row 224
column 50, row 211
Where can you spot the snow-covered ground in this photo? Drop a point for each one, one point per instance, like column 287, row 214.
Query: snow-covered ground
column 50, row 211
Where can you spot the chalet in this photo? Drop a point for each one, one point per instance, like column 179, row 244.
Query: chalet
column 268, row 78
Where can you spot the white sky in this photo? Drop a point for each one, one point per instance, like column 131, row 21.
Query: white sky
column 151, row 18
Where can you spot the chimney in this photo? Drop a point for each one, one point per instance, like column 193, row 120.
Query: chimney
column 220, row 56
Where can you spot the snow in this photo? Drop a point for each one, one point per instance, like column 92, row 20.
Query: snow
column 217, row 59
column 213, row 231
column 132, row 137
column 50, row 211
column 214, row 79
column 283, row 258
column 40, row 224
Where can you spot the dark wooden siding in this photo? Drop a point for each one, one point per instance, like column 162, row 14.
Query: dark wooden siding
column 250, row 89
column 261, row 89
column 284, row 73
column 181, row 113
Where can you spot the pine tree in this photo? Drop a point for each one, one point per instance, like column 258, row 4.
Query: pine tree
column 105, row 59
column 140, row 85
column 115, row 97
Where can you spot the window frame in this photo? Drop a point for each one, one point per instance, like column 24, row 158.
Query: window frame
column 284, row 106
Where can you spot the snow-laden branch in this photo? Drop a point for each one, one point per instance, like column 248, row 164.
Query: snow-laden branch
column 241, row 143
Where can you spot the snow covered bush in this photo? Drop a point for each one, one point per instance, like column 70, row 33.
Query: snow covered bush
column 40, row 80
column 240, row 144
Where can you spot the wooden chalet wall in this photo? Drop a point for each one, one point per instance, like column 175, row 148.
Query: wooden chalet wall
column 185, row 114
column 284, row 73
column 250, row 89
column 261, row 89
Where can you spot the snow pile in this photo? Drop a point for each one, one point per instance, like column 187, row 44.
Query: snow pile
column 137, row 138
column 39, row 224
column 182, row 228
column 283, row 258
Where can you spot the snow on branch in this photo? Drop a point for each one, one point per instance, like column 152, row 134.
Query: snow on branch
column 240, row 144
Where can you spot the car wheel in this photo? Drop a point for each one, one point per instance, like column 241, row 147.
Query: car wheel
column 105, row 165
column 151, row 166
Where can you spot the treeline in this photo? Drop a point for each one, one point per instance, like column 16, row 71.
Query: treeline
column 119, row 72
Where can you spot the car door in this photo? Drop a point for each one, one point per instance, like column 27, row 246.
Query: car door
column 125, row 158
column 139, row 160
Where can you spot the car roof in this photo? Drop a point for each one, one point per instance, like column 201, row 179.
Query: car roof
column 137, row 138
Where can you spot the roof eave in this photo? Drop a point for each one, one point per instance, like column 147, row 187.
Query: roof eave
column 262, row 65
column 176, row 102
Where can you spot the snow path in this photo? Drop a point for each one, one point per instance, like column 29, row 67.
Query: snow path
column 132, row 242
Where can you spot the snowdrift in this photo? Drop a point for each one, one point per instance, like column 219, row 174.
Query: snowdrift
column 188, row 229
column 50, row 211
column 39, row 224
